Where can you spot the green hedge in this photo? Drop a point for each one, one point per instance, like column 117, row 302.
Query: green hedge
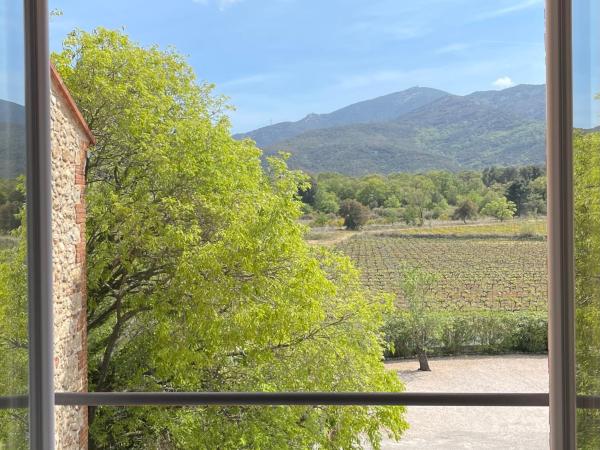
column 476, row 332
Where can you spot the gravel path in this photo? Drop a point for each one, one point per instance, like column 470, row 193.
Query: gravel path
column 452, row 428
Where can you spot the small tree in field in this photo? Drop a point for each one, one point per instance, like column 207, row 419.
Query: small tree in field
column 416, row 286
column 500, row 208
column 467, row 210
column 355, row 214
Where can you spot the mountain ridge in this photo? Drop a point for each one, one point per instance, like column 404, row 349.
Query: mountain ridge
column 12, row 139
column 365, row 111
column 440, row 131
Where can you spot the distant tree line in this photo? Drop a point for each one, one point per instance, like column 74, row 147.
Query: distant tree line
column 498, row 192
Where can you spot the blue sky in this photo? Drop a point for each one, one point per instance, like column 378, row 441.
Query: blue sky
column 282, row 59
column 586, row 62
column 11, row 51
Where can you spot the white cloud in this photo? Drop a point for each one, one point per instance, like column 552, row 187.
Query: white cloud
column 221, row 4
column 433, row 76
column 503, row 83
column 397, row 32
column 524, row 4
column 224, row 4
column 248, row 80
column 452, row 48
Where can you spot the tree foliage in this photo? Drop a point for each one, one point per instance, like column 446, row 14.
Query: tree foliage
column 467, row 210
column 199, row 278
column 417, row 198
column 13, row 337
column 416, row 286
column 587, row 282
column 11, row 201
column 500, row 208
column 326, row 202
column 355, row 214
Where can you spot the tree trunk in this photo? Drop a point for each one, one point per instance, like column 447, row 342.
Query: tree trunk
column 423, row 362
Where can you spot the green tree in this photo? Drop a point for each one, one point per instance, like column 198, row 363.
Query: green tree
column 373, row 191
column 467, row 210
column 13, row 339
column 418, row 196
column 326, row 202
column 587, row 286
column 199, row 277
column 518, row 193
column 355, row 214
column 536, row 202
column 501, row 209
column 308, row 191
column 411, row 215
column 12, row 199
column 392, row 202
column 416, row 286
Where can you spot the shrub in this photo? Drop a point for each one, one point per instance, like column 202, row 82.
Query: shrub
column 325, row 220
column 528, row 230
column 467, row 210
column 475, row 332
column 410, row 215
column 355, row 214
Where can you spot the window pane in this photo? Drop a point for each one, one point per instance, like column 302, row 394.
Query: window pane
column 405, row 229
column 586, row 61
column 13, row 270
column 251, row 427
column 458, row 427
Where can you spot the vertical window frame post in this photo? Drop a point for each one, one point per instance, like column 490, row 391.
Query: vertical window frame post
column 39, row 225
column 561, row 262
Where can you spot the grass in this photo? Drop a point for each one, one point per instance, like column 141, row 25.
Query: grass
column 516, row 228
column 498, row 266
column 7, row 241
column 328, row 238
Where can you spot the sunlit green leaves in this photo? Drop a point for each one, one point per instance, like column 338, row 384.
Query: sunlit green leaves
column 199, row 276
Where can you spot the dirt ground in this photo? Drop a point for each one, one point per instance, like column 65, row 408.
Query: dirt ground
column 452, row 428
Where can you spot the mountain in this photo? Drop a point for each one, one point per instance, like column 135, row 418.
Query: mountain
column 432, row 130
column 380, row 109
column 525, row 100
column 12, row 139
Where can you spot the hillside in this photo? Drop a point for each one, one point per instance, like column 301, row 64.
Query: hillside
column 380, row 109
column 12, row 139
column 434, row 130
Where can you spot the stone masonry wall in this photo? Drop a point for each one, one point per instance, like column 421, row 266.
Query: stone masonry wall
column 69, row 142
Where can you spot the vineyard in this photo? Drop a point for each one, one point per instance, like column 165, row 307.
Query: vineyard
column 476, row 271
column 512, row 229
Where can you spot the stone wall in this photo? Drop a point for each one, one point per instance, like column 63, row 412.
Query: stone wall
column 70, row 138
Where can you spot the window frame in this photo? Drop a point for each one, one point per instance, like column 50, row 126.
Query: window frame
column 39, row 226
column 561, row 399
column 561, row 243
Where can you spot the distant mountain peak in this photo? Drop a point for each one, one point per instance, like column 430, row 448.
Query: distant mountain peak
column 311, row 116
column 379, row 109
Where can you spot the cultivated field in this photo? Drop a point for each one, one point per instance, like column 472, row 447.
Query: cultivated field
column 499, row 267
